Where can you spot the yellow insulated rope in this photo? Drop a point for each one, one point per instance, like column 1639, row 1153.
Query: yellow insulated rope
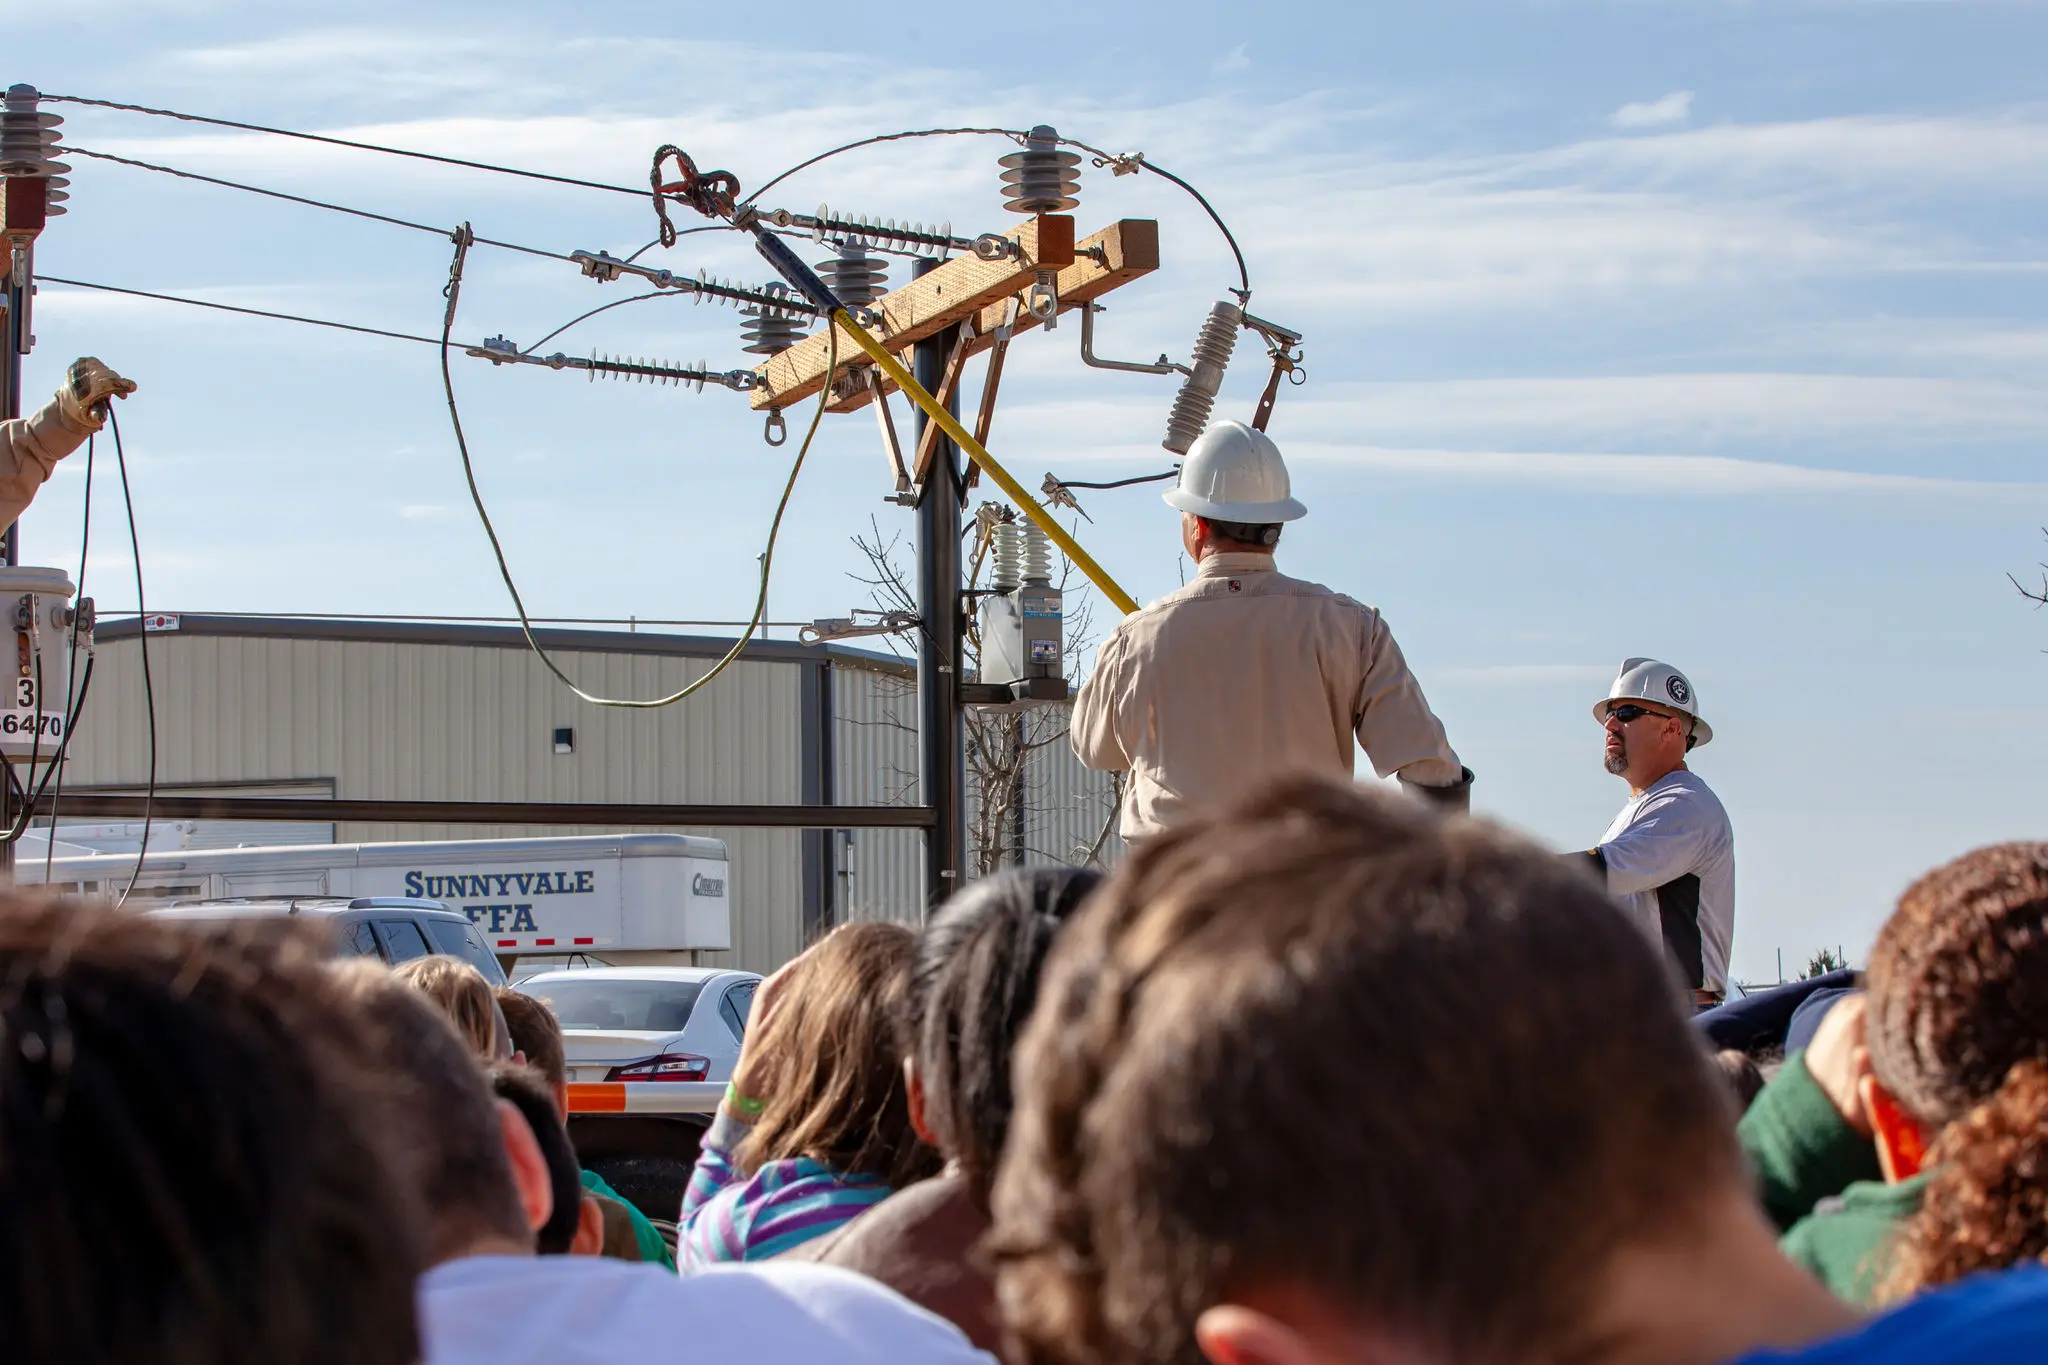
column 976, row 452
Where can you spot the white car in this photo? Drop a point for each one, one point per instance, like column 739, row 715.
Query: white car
column 648, row 1024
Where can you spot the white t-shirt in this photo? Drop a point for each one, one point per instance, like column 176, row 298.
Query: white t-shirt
column 568, row 1310
column 1670, row 858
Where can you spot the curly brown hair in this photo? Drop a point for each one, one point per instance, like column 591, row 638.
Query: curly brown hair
column 1958, row 1034
column 1327, row 1040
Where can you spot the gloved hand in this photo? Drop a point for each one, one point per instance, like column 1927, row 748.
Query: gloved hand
column 90, row 385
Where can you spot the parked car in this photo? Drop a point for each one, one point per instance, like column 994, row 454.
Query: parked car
column 648, row 1050
column 648, row 1023
column 390, row 928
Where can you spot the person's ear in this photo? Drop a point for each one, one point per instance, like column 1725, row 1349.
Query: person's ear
column 1901, row 1141
column 530, row 1177
column 913, row 1095
column 1232, row 1335
column 561, row 1093
column 589, row 1238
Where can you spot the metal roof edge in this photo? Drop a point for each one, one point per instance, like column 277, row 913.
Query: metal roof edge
column 501, row 637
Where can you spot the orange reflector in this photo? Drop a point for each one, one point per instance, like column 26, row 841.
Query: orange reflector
column 598, row 1097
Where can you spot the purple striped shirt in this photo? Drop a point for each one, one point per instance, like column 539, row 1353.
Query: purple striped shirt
column 729, row 1217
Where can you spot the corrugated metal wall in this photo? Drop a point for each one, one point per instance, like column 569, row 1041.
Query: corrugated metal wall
column 449, row 721
column 880, row 872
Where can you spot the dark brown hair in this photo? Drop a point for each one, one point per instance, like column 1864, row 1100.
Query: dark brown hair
column 438, row 1110
column 971, row 990
column 523, row 1088
column 1958, row 1031
column 186, row 1168
column 1743, row 1077
column 536, row 1032
column 1328, row 1040
column 829, row 1074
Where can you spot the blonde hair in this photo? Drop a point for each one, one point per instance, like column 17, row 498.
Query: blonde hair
column 466, row 998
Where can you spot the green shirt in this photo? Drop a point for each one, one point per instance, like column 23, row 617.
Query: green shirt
column 652, row 1248
column 1846, row 1241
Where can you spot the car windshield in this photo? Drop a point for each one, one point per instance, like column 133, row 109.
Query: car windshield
column 598, row 1002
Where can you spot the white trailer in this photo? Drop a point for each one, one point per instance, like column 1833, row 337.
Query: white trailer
column 624, row 898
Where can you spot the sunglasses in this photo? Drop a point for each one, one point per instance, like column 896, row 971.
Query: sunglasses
column 1626, row 713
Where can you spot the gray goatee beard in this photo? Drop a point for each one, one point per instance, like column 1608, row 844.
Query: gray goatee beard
column 1617, row 762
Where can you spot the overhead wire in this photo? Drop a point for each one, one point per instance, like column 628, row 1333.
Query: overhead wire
column 236, row 308
column 303, row 199
column 453, row 292
column 347, row 142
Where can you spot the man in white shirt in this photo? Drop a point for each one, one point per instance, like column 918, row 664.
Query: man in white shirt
column 488, row 1300
column 1669, row 856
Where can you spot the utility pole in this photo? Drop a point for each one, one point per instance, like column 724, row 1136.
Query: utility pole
column 31, row 189
column 939, row 722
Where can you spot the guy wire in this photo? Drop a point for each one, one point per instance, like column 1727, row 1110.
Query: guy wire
column 461, row 238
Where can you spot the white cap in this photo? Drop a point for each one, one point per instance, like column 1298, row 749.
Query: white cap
column 1646, row 680
column 1233, row 473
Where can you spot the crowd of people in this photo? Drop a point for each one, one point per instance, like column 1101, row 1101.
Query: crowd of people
column 1323, row 1076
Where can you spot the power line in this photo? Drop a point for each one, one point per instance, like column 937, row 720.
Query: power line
column 233, row 308
column 110, row 614
column 301, row 199
column 345, row 142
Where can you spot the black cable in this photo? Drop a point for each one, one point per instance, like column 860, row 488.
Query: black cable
column 453, row 292
column 71, row 703
column 232, row 308
column 1117, row 483
column 345, row 142
column 615, row 303
column 871, row 141
column 142, row 639
column 302, row 199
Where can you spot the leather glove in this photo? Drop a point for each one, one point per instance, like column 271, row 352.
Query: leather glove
column 83, row 399
column 1456, row 797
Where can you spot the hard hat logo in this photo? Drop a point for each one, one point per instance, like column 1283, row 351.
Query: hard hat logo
column 1680, row 693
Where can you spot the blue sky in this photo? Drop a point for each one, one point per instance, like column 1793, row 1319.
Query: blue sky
column 1713, row 331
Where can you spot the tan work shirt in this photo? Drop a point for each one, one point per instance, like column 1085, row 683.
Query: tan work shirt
column 1246, row 674
column 29, row 449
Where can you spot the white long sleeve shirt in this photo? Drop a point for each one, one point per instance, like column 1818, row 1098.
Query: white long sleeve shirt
column 1670, row 860
column 1246, row 674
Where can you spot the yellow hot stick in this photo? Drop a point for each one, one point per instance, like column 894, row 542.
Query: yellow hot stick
column 950, row 424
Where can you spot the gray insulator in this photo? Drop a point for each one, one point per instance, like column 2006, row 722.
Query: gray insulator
column 855, row 278
column 27, row 136
column 1008, row 572
column 1037, row 554
column 1042, row 178
column 1197, row 396
column 770, row 331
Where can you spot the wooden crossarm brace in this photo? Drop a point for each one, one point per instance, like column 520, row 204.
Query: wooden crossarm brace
column 949, row 385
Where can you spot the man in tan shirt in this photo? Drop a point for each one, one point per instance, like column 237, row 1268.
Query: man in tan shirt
column 1245, row 673
column 31, row 446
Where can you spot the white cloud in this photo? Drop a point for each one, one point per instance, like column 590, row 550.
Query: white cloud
column 1653, row 474
column 1674, row 108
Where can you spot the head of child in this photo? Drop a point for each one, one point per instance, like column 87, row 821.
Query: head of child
column 822, row 1062
column 466, row 998
column 1326, row 1078
column 1957, row 1029
column 972, row 987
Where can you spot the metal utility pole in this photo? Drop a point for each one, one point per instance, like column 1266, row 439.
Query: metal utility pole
column 940, row 725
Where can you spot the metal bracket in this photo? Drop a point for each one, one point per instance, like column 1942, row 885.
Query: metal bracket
column 1088, row 356
column 828, row 628
column 886, row 420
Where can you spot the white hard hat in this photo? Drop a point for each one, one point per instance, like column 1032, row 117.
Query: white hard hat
column 1233, row 473
column 1660, row 685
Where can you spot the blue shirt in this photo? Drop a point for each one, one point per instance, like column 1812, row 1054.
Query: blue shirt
column 1997, row 1319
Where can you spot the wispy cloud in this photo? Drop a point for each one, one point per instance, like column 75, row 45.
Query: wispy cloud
column 1237, row 59
column 1673, row 108
column 1521, row 675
